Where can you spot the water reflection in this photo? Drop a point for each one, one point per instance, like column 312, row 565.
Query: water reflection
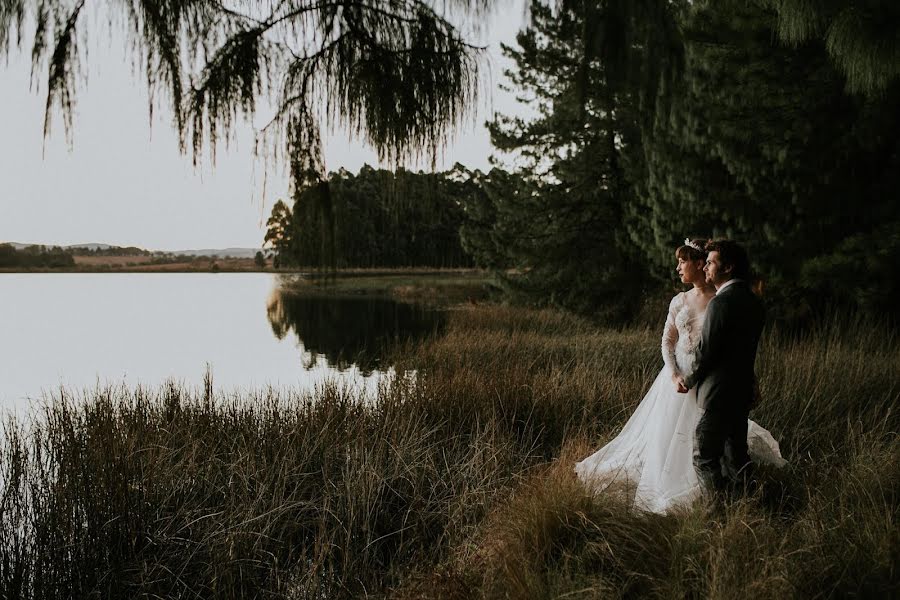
column 348, row 331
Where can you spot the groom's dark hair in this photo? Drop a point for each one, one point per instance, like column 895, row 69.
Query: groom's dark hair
column 731, row 254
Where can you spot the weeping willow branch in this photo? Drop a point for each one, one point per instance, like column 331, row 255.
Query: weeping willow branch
column 63, row 66
column 12, row 16
column 394, row 72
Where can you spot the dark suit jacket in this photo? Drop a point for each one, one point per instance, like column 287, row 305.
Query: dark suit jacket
column 724, row 376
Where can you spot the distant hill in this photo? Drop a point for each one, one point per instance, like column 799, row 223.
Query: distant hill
column 217, row 252
column 91, row 246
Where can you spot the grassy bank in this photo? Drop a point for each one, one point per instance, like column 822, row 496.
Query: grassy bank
column 444, row 287
column 456, row 483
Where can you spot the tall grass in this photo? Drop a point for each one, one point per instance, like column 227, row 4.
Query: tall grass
column 455, row 483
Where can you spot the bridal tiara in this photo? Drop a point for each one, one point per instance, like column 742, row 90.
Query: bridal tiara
column 693, row 244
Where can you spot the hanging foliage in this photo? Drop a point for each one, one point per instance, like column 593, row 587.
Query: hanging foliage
column 396, row 73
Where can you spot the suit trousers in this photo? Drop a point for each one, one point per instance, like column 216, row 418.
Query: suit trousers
column 720, row 448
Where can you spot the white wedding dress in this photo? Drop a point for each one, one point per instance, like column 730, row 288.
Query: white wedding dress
column 653, row 454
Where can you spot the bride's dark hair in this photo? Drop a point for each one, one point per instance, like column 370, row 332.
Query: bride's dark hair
column 689, row 252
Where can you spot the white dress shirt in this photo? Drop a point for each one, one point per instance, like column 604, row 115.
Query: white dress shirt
column 726, row 284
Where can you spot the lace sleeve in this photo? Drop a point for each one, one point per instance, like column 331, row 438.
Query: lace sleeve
column 670, row 335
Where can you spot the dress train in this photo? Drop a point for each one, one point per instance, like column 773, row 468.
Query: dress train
column 653, row 454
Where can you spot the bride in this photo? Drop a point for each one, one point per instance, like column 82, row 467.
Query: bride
column 653, row 453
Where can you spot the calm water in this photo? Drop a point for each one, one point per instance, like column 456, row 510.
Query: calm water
column 81, row 330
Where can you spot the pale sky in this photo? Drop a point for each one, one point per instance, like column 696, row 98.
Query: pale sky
column 125, row 183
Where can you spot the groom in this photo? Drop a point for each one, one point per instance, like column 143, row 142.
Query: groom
column 724, row 375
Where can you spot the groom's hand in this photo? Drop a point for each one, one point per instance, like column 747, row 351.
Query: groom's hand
column 679, row 384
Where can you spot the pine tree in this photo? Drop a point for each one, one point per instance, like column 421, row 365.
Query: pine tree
column 557, row 220
column 280, row 235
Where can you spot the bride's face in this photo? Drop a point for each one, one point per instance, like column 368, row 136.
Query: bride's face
column 691, row 271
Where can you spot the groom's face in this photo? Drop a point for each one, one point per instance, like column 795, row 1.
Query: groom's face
column 715, row 273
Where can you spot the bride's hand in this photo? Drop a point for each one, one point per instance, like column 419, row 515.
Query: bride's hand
column 678, row 380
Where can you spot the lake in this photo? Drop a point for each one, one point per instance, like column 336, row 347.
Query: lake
column 83, row 330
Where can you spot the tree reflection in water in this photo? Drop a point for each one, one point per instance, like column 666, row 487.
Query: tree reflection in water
column 348, row 331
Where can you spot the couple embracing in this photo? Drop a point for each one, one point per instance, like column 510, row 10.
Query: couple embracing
column 691, row 433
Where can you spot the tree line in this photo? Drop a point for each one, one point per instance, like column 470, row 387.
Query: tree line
column 35, row 257
column 114, row 251
column 375, row 218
